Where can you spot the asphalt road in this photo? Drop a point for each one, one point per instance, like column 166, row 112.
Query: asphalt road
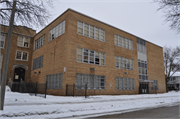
column 168, row 112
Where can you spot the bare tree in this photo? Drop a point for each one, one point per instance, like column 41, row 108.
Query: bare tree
column 28, row 13
column 25, row 12
column 171, row 61
column 171, row 9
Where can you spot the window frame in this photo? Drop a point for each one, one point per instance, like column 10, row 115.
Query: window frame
column 4, row 35
column 89, row 31
column 24, row 37
column 59, row 28
column 21, row 55
column 123, row 42
column 124, row 83
column 89, row 53
column 96, row 81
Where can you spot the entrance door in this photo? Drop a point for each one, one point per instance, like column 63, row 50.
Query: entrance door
column 143, row 88
column 19, row 73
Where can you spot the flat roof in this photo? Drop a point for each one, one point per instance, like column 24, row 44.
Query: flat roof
column 96, row 20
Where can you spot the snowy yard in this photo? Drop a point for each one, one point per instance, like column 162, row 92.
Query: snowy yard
column 18, row 105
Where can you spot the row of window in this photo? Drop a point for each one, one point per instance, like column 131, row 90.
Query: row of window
column 39, row 42
column 54, row 81
column 92, row 81
column 90, row 56
column 38, row 62
column 123, row 42
column 57, row 31
column 124, row 63
column 124, row 83
column 143, row 72
column 91, row 31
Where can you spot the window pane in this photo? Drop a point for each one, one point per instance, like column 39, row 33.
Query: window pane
column 20, row 41
column 24, row 56
column 18, row 55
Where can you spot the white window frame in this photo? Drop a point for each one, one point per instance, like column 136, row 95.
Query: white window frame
column 124, row 64
column 99, row 29
column 88, row 60
column 60, row 28
column 24, row 37
column 4, row 35
column 123, row 42
column 21, row 55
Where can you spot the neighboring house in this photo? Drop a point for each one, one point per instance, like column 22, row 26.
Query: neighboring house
column 174, row 82
column 20, row 57
column 78, row 49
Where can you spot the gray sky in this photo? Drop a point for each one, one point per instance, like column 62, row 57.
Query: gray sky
column 138, row 17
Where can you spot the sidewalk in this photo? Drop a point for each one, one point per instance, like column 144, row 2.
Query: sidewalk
column 19, row 105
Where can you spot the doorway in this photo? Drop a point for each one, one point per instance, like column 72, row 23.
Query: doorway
column 19, row 73
column 143, row 88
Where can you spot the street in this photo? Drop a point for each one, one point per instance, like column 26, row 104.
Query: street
column 169, row 112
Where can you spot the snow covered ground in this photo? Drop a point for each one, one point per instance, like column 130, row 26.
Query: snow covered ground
column 18, row 105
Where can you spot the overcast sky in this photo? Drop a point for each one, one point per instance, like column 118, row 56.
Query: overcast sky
column 138, row 17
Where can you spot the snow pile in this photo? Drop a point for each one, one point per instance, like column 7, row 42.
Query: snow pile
column 8, row 88
column 18, row 105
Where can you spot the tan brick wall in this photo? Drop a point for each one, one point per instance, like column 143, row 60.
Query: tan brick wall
column 155, row 64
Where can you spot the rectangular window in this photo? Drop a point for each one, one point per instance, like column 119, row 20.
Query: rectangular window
column 23, row 41
column 141, row 44
column 54, row 81
column 143, row 72
column 123, row 42
column 124, row 63
column 90, row 56
column 21, row 55
column 91, row 31
column 57, row 31
column 38, row 62
column 2, row 40
column 39, row 42
column 124, row 83
column 92, row 81
column 154, row 85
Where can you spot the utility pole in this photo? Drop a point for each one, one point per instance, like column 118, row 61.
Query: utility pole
column 6, row 57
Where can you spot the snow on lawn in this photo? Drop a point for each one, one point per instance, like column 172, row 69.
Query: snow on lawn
column 19, row 105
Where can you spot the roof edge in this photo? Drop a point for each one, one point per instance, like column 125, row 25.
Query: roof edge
column 96, row 20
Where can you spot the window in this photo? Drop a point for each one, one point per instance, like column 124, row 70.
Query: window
column 2, row 40
column 90, row 56
column 1, row 59
column 92, row 81
column 154, row 85
column 57, row 31
column 91, row 31
column 21, row 55
column 23, row 41
column 141, row 46
column 143, row 72
column 124, row 83
column 54, row 81
column 123, row 42
column 39, row 42
column 124, row 63
column 38, row 62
